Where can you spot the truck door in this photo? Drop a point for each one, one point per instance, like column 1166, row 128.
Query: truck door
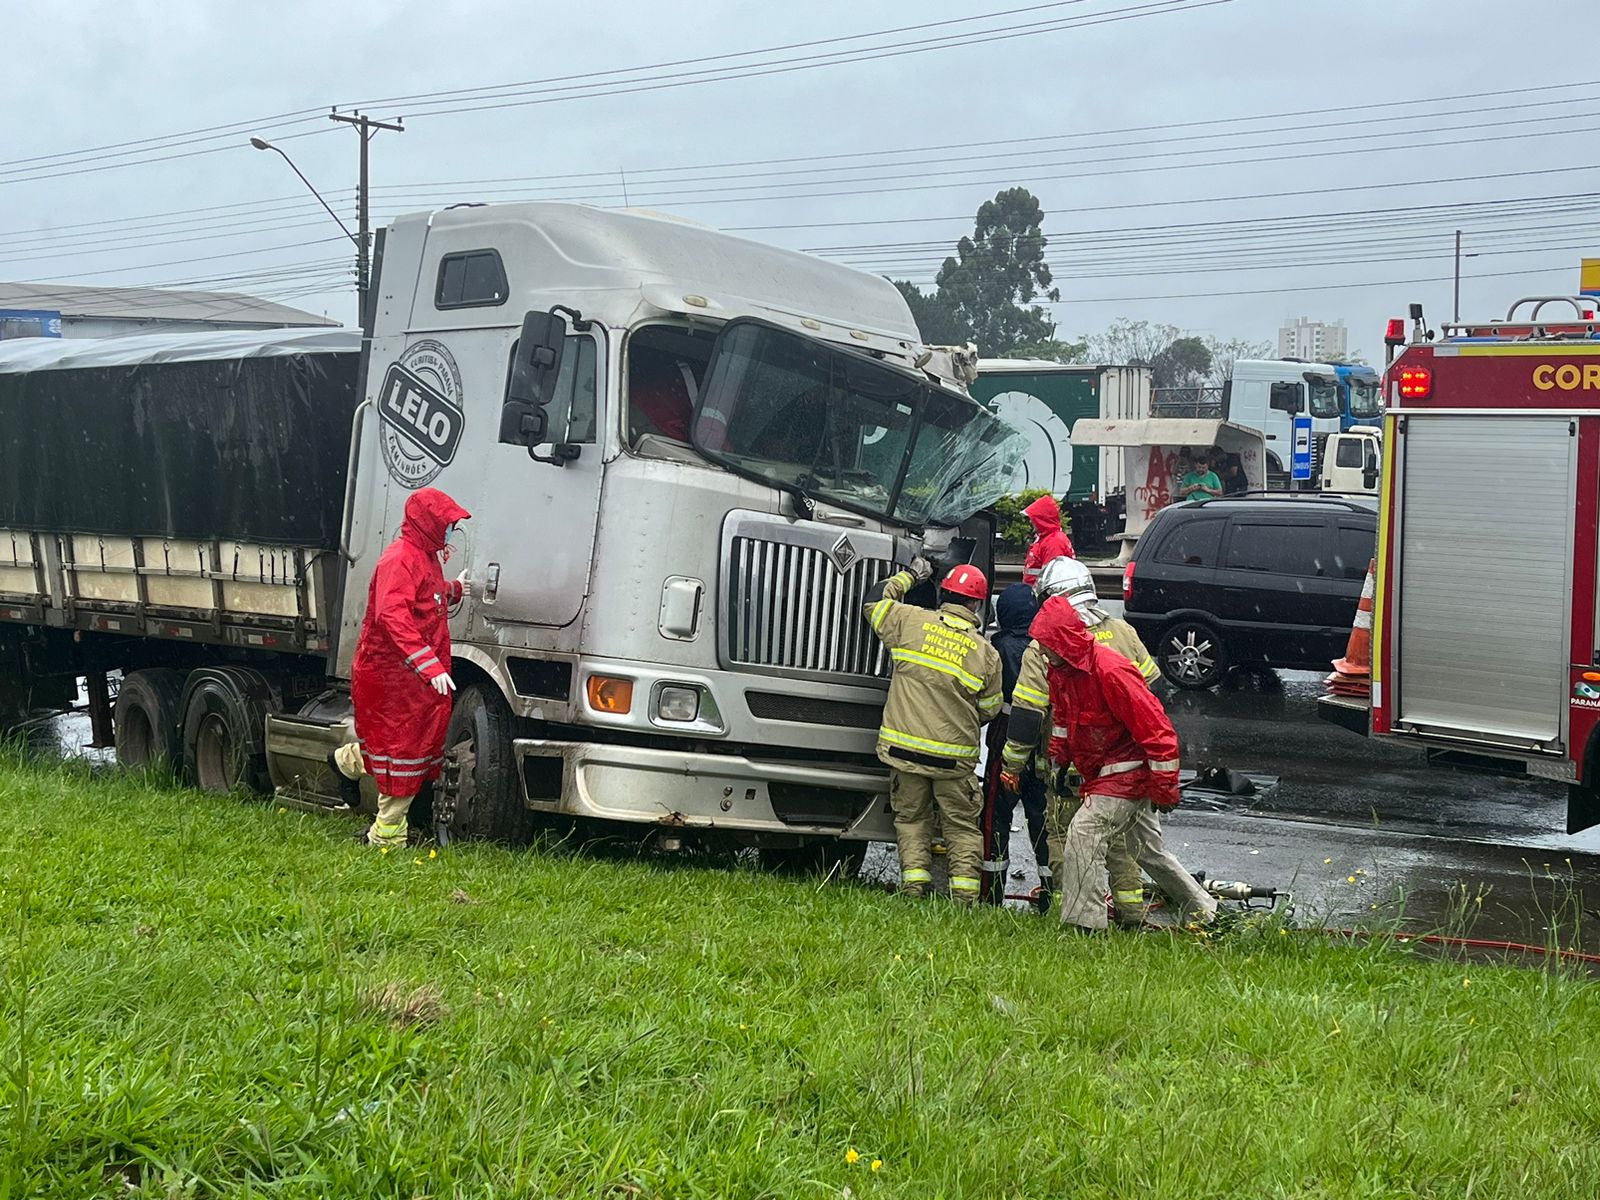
column 1485, row 535
column 437, row 382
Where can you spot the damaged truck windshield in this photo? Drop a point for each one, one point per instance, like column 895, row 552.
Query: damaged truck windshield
column 843, row 427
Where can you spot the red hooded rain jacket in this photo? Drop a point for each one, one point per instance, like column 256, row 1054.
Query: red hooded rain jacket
column 1050, row 541
column 404, row 646
column 1106, row 720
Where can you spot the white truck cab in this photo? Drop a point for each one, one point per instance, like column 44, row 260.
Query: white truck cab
column 1352, row 461
column 687, row 456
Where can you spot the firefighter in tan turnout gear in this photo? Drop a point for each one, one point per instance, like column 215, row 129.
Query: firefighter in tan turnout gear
column 945, row 684
column 1029, row 732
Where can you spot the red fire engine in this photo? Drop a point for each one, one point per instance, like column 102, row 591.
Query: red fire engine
column 1486, row 641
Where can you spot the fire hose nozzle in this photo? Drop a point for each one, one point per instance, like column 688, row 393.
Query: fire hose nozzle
column 1232, row 889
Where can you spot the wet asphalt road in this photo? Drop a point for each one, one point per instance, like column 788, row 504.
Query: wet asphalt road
column 1365, row 832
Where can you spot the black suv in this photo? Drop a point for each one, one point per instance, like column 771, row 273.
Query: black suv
column 1271, row 578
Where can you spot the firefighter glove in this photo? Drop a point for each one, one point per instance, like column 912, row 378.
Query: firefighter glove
column 1164, row 793
column 921, row 569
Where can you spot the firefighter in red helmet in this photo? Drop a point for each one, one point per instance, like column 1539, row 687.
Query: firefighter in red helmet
column 400, row 681
column 944, row 686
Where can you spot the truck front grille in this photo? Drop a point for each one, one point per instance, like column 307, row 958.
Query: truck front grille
column 792, row 607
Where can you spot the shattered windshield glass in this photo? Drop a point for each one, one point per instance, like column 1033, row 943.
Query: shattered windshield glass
column 844, row 428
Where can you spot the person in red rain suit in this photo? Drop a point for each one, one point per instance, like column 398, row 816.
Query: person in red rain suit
column 1107, row 723
column 400, row 680
column 1050, row 541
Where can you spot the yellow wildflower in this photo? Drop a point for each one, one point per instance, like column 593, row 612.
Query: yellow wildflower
column 433, row 854
column 852, row 1156
column 1350, row 879
column 877, row 1164
column 1326, row 861
column 385, row 850
column 281, row 811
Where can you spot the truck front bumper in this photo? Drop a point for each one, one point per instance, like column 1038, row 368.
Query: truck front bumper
column 775, row 800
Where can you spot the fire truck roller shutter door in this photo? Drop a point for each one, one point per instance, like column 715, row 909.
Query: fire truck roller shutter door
column 1483, row 619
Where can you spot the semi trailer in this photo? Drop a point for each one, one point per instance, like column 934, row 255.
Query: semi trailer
column 688, row 457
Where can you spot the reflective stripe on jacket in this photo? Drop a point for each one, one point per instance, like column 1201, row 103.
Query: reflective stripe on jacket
column 1108, row 723
column 945, row 683
column 1032, row 692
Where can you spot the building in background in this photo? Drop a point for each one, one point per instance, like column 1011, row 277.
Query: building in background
column 1313, row 341
column 66, row 311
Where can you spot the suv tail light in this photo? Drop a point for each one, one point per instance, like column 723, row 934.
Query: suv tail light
column 1127, row 583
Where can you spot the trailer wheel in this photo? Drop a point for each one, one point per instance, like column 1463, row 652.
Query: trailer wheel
column 145, row 720
column 1191, row 655
column 224, row 718
column 488, row 801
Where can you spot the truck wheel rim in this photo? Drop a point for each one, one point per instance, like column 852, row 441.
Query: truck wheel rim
column 215, row 757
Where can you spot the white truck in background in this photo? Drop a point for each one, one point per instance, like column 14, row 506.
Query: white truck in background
column 687, row 455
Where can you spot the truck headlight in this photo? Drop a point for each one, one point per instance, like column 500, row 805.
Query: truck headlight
column 676, row 703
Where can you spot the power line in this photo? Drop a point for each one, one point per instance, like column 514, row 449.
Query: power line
column 941, row 154
column 1188, row 201
column 1282, row 291
column 813, row 62
column 468, row 93
column 92, row 161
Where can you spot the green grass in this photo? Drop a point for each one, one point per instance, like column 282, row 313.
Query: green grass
column 204, row 996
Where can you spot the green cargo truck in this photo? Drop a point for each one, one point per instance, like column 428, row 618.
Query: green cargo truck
column 1043, row 399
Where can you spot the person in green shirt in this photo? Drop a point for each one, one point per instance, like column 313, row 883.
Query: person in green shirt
column 1201, row 481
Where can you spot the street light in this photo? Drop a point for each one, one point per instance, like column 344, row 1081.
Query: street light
column 263, row 144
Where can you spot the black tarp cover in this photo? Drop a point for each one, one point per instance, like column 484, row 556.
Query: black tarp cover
column 246, row 448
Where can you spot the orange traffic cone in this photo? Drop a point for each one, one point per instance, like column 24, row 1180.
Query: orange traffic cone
column 1352, row 674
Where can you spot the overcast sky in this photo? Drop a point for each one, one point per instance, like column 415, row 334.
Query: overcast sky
column 1138, row 111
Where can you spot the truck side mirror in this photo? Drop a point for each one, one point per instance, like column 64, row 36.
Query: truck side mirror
column 1369, row 477
column 533, row 379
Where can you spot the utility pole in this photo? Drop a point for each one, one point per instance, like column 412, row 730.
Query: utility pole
column 1456, row 311
column 367, row 128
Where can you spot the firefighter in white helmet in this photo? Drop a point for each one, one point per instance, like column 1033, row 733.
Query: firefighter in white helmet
column 1029, row 732
column 945, row 685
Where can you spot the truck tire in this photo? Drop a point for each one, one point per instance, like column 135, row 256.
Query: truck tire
column 1191, row 655
column 223, row 727
column 488, row 805
column 145, row 720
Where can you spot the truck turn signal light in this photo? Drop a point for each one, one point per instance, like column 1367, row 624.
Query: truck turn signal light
column 1416, row 383
column 608, row 694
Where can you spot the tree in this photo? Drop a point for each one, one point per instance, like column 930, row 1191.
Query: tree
column 1052, row 350
column 1354, row 359
column 1225, row 354
column 985, row 292
column 1132, row 343
column 1182, row 362
column 935, row 316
